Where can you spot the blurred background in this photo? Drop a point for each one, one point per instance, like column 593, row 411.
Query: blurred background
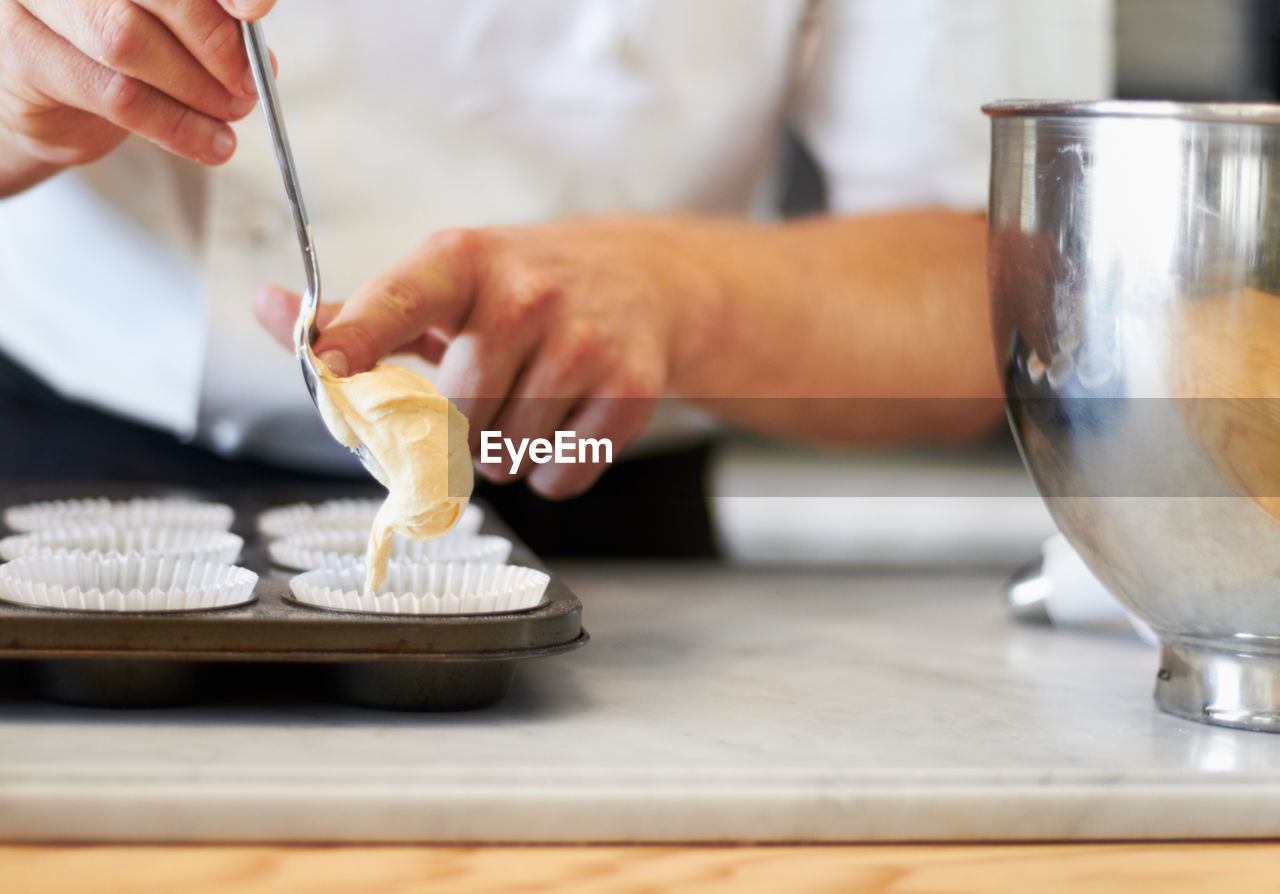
column 708, row 491
column 1197, row 50
column 973, row 507
column 1191, row 50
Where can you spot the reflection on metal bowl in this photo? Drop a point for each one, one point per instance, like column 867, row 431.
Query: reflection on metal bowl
column 1135, row 284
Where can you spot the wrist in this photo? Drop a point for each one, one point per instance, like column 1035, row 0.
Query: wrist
column 19, row 169
column 697, row 297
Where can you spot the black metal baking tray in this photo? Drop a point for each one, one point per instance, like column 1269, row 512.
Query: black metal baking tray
column 443, row 662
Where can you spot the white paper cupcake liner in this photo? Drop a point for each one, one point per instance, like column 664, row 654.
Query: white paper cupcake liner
column 196, row 544
column 81, row 582
column 347, row 514
column 441, row 588
column 138, row 512
column 337, row 548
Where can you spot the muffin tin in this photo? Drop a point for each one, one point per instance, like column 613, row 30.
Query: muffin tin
column 439, row 662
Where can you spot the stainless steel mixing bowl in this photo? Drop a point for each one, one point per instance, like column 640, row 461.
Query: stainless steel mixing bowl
column 1135, row 285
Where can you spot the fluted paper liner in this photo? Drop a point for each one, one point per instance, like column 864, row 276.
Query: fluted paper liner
column 197, row 544
column 337, row 548
column 344, row 514
column 440, row 588
column 133, row 583
column 135, row 513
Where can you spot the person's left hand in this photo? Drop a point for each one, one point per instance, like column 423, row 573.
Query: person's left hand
column 568, row 326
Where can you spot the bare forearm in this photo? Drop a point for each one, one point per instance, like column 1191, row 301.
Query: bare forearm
column 870, row 329
column 856, row 330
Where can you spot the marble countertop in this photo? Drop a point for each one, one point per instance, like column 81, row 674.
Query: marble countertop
column 712, row 704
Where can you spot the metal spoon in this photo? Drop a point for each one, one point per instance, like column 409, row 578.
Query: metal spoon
column 305, row 330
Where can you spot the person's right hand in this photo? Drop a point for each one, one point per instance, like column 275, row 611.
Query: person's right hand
column 77, row 76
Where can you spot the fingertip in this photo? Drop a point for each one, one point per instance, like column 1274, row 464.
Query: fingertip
column 239, row 108
column 248, row 10
column 556, row 483
column 221, row 146
column 494, row 473
column 345, row 341
column 276, row 309
column 337, row 363
column 272, row 300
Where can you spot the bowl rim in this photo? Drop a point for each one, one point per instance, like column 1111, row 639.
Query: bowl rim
column 1232, row 112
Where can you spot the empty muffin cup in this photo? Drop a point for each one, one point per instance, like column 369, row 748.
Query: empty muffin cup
column 440, row 588
column 344, row 514
column 197, row 544
column 130, row 583
column 135, row 513
column 337, row 548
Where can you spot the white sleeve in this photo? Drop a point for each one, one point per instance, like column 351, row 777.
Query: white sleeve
column 889, row 101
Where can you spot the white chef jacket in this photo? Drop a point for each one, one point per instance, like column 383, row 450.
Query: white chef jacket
column 127, row 283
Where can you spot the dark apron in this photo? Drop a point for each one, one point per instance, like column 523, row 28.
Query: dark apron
column 652, row 506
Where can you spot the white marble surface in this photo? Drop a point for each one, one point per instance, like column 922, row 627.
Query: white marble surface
column 712, row 704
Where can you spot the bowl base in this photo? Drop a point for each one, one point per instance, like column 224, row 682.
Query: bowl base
column 1213, row 683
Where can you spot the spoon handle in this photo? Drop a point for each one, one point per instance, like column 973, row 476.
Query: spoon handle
column 304, row 333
